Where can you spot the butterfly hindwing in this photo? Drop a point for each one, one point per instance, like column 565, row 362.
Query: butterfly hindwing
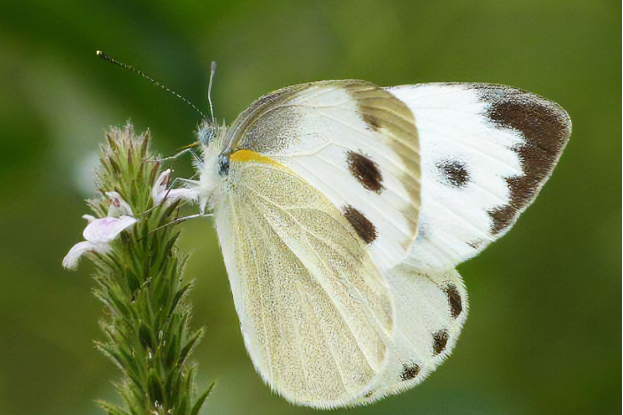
column 315, row 313
column 352, row 141
column 486, row 152
column 431, row 308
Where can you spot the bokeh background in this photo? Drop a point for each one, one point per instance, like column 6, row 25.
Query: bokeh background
column 544, row 330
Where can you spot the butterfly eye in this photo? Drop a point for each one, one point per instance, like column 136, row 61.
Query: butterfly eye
column 206, row 134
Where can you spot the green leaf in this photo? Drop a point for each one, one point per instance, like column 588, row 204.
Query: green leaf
column 199, row 402
column 192, row 342
column 154, row 388
column 146, row 337
column 111, row 409
column 178, row 297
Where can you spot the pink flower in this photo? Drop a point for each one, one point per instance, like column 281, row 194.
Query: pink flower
column 99, row 233
column 161, row 191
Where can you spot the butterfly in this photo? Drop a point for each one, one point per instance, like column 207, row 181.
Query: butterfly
column 343, row 208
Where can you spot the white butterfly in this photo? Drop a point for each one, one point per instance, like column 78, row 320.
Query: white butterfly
column 343, row 208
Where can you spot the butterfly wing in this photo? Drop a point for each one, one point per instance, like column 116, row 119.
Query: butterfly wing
column 352, row 141
column 315, row 313
column 486, row 152
column 431, row 308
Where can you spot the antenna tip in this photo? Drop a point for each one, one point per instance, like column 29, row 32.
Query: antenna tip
column 213, row 66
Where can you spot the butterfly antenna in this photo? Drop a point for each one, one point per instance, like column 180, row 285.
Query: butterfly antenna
column 212, row 71
column 104, row 56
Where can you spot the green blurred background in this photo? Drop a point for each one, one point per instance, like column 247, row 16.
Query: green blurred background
column 543, row 334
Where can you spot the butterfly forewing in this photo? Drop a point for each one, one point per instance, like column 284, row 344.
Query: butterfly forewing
column 487, row 151
column 352, row 141
column 315, row 313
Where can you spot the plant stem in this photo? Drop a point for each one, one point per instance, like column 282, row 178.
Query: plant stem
column 147, row 310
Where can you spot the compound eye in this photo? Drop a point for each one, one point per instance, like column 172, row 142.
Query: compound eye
column 206, row 135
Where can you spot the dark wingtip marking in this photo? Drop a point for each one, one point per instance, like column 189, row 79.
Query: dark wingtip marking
column 364, row 228
column 365, row 170
column 409, row 371
column 502, row 217
column 454, row 300
column 454, row 172
column 545, row 127
column 440, row 339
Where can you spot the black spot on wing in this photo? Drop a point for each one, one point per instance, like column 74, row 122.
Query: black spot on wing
column 409, row 371
column 440, row 339
column 364, row 228
column 454, row 300
column 365, row 170
column 545, row 127
column 454, row 172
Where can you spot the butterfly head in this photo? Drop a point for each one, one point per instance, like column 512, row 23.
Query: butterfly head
column 213, row 165
column 207, row 132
